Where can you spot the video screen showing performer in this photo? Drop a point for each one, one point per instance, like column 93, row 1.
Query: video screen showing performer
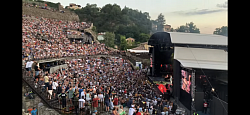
column 185, row 81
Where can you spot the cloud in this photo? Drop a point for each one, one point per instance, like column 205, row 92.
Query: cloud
column 224, row 5
column 198, row 12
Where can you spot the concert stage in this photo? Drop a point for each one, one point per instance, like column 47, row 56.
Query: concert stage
column 158, row 80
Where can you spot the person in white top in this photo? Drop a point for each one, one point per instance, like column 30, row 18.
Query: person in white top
column 81, row 103
column 83, row 94
column 131, row 110
column 147, row 103
column 155, row 102
column 28, row 66
column 54, row 86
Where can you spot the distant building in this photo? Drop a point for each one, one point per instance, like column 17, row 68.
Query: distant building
column 166, row 28
column 74, row 6
column 130, row 40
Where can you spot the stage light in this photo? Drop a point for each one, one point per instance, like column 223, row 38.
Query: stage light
column 193, row 99
column 212, row 89
column 161, row 65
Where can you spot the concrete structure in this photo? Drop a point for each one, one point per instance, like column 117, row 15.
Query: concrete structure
column 36, row 12
column 130, row 41
column 74, row 6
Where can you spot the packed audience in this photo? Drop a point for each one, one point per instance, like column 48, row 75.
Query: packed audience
column 111, row 81
column 57, row 45
column 85, row 81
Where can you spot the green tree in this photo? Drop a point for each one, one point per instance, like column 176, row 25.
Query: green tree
column 94, row 29
column 171, row 29
column 129, row 35
column 188, row 28
column 111, row 18
column 109, row 39
column 181, row 29
column 221, row 31
column 123, row 44
column 144, row 37
column 160, row 22
column 191, row 28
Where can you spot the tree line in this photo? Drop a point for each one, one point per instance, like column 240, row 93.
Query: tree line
column 118, row 23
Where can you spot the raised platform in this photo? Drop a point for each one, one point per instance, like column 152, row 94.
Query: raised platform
column 158, row 80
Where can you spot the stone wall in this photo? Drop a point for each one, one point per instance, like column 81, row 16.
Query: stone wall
column 42, row 109
column 49, row 14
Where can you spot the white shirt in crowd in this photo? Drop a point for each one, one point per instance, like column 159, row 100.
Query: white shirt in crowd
column 147, row 104
column 29, row 64
column 82, row 94
column 131, row 111
column 54, row 85
column 81, row 103
column 155, row 102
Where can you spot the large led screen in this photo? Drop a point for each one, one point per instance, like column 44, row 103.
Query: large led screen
column 185, row 81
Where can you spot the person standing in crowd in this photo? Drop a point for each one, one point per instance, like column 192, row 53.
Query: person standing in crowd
column 46, row 80
column 115, row 101
column 49, row 90
column 37, row 70
column 80, row 92
column 59, row 90
column 34, row 111
column 28, row 67
column 63, row 97
column 100, row 96
column 54, row 86
column 83, row 93
column 88, row 97
column 205, row 107
column 81, row 104
column 95, row 102
column 76, row 100
column 33, row 68
column 131, row 110
column 70, row 91
column 106, row 100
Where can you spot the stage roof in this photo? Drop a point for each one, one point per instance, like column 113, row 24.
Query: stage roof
column 201, row 58
column 193, row 38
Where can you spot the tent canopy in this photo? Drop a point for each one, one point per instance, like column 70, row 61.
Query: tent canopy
column 201, row 58
column 194, row 38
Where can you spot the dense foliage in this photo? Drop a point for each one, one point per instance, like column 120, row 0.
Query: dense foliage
column 221, row 31
column 124, row 22
column 189, row 28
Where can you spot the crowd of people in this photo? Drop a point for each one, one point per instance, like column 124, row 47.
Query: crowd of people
column 58, row 45
column 110, row 81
